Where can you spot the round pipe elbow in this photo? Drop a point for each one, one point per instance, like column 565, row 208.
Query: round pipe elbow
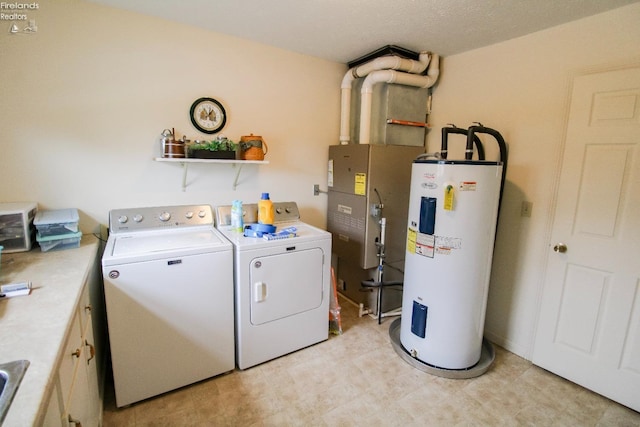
column 380, row 76
column 393, row 62
column 348, row 79
column 434, row 67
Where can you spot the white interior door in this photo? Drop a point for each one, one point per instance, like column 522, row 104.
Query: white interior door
column 589, row 324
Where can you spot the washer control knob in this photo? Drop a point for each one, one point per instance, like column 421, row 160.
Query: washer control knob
column 287, row 210
column 138, row 218
column 279, row 210
column 164, row 216
column 189, row 215
column 123, row 219
column 202, row 214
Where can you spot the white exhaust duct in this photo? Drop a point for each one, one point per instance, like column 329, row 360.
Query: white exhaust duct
column 407, row 67
column 395, row 77
column 393, row 63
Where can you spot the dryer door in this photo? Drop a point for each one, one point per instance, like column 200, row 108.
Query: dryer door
column 285, row 284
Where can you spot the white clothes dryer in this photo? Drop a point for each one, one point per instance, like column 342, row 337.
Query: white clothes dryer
column 281, row 286
column 168, row 282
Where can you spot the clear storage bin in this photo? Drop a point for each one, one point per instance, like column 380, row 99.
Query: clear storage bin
column 56, row 222
column 59, row 242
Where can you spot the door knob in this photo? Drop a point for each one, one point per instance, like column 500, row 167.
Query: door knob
column 560, row 247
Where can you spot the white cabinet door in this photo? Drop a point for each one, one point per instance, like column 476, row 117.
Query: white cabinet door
column 78, row 373
column 79, row 410
column 89, row 362
column 53, row 416
column 589, row 323
column 70, row 359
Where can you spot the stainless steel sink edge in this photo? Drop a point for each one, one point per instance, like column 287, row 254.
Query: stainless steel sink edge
column 12, row 374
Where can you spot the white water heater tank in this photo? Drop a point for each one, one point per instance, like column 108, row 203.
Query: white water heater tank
column 453, row 209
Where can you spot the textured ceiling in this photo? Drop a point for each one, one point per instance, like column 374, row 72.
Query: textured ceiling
column 342, row 30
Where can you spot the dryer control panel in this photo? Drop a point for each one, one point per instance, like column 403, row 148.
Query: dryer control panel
column 285, row 211
column 282, row 212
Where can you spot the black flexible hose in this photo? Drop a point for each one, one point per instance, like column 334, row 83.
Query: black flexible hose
column 469, row 148
column 471, row 136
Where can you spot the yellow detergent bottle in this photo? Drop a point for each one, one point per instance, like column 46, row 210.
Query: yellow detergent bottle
column 265, row 210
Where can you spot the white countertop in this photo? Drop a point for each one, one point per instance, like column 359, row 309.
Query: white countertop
column 34, row 327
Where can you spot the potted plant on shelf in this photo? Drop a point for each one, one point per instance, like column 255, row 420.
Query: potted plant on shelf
column 219, row 148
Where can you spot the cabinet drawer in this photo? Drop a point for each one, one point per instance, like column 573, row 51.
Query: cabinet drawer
column 73, row 352
column 85, row 308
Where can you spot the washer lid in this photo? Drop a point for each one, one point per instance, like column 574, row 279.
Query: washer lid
column 151, row 242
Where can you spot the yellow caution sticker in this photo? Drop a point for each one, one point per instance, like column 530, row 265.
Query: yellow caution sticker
column 411, row 241
column 448, row 197
column 360, row 184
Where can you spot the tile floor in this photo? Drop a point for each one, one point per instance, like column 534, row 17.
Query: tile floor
column 357, row 379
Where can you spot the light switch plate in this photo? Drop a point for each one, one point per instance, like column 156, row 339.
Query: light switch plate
column 525, row 209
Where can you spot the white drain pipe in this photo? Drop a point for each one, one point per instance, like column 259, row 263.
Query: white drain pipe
column 381, row 63
column 345, row 107
column 391, row 76
column 394, row 63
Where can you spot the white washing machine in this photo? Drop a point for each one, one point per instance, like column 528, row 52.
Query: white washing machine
column 281, row 286
column 168, row 282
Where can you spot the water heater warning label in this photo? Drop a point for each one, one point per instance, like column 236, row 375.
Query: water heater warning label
column 429, row 245
column 468, row 186
column 425, row 245
column 420, row 243
column 449, row 243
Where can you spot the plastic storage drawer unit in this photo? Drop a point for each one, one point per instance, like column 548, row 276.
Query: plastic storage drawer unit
column 17, row 233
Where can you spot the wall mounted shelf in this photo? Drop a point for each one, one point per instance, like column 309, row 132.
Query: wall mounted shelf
column 234, row 163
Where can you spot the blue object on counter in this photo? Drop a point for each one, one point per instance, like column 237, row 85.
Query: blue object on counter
column 283, row 234
column 258, row 230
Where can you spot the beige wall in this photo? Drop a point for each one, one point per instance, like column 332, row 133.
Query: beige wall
column 522, row 88
column 84, row 100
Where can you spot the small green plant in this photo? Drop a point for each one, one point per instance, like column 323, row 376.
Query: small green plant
column 215, row 145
